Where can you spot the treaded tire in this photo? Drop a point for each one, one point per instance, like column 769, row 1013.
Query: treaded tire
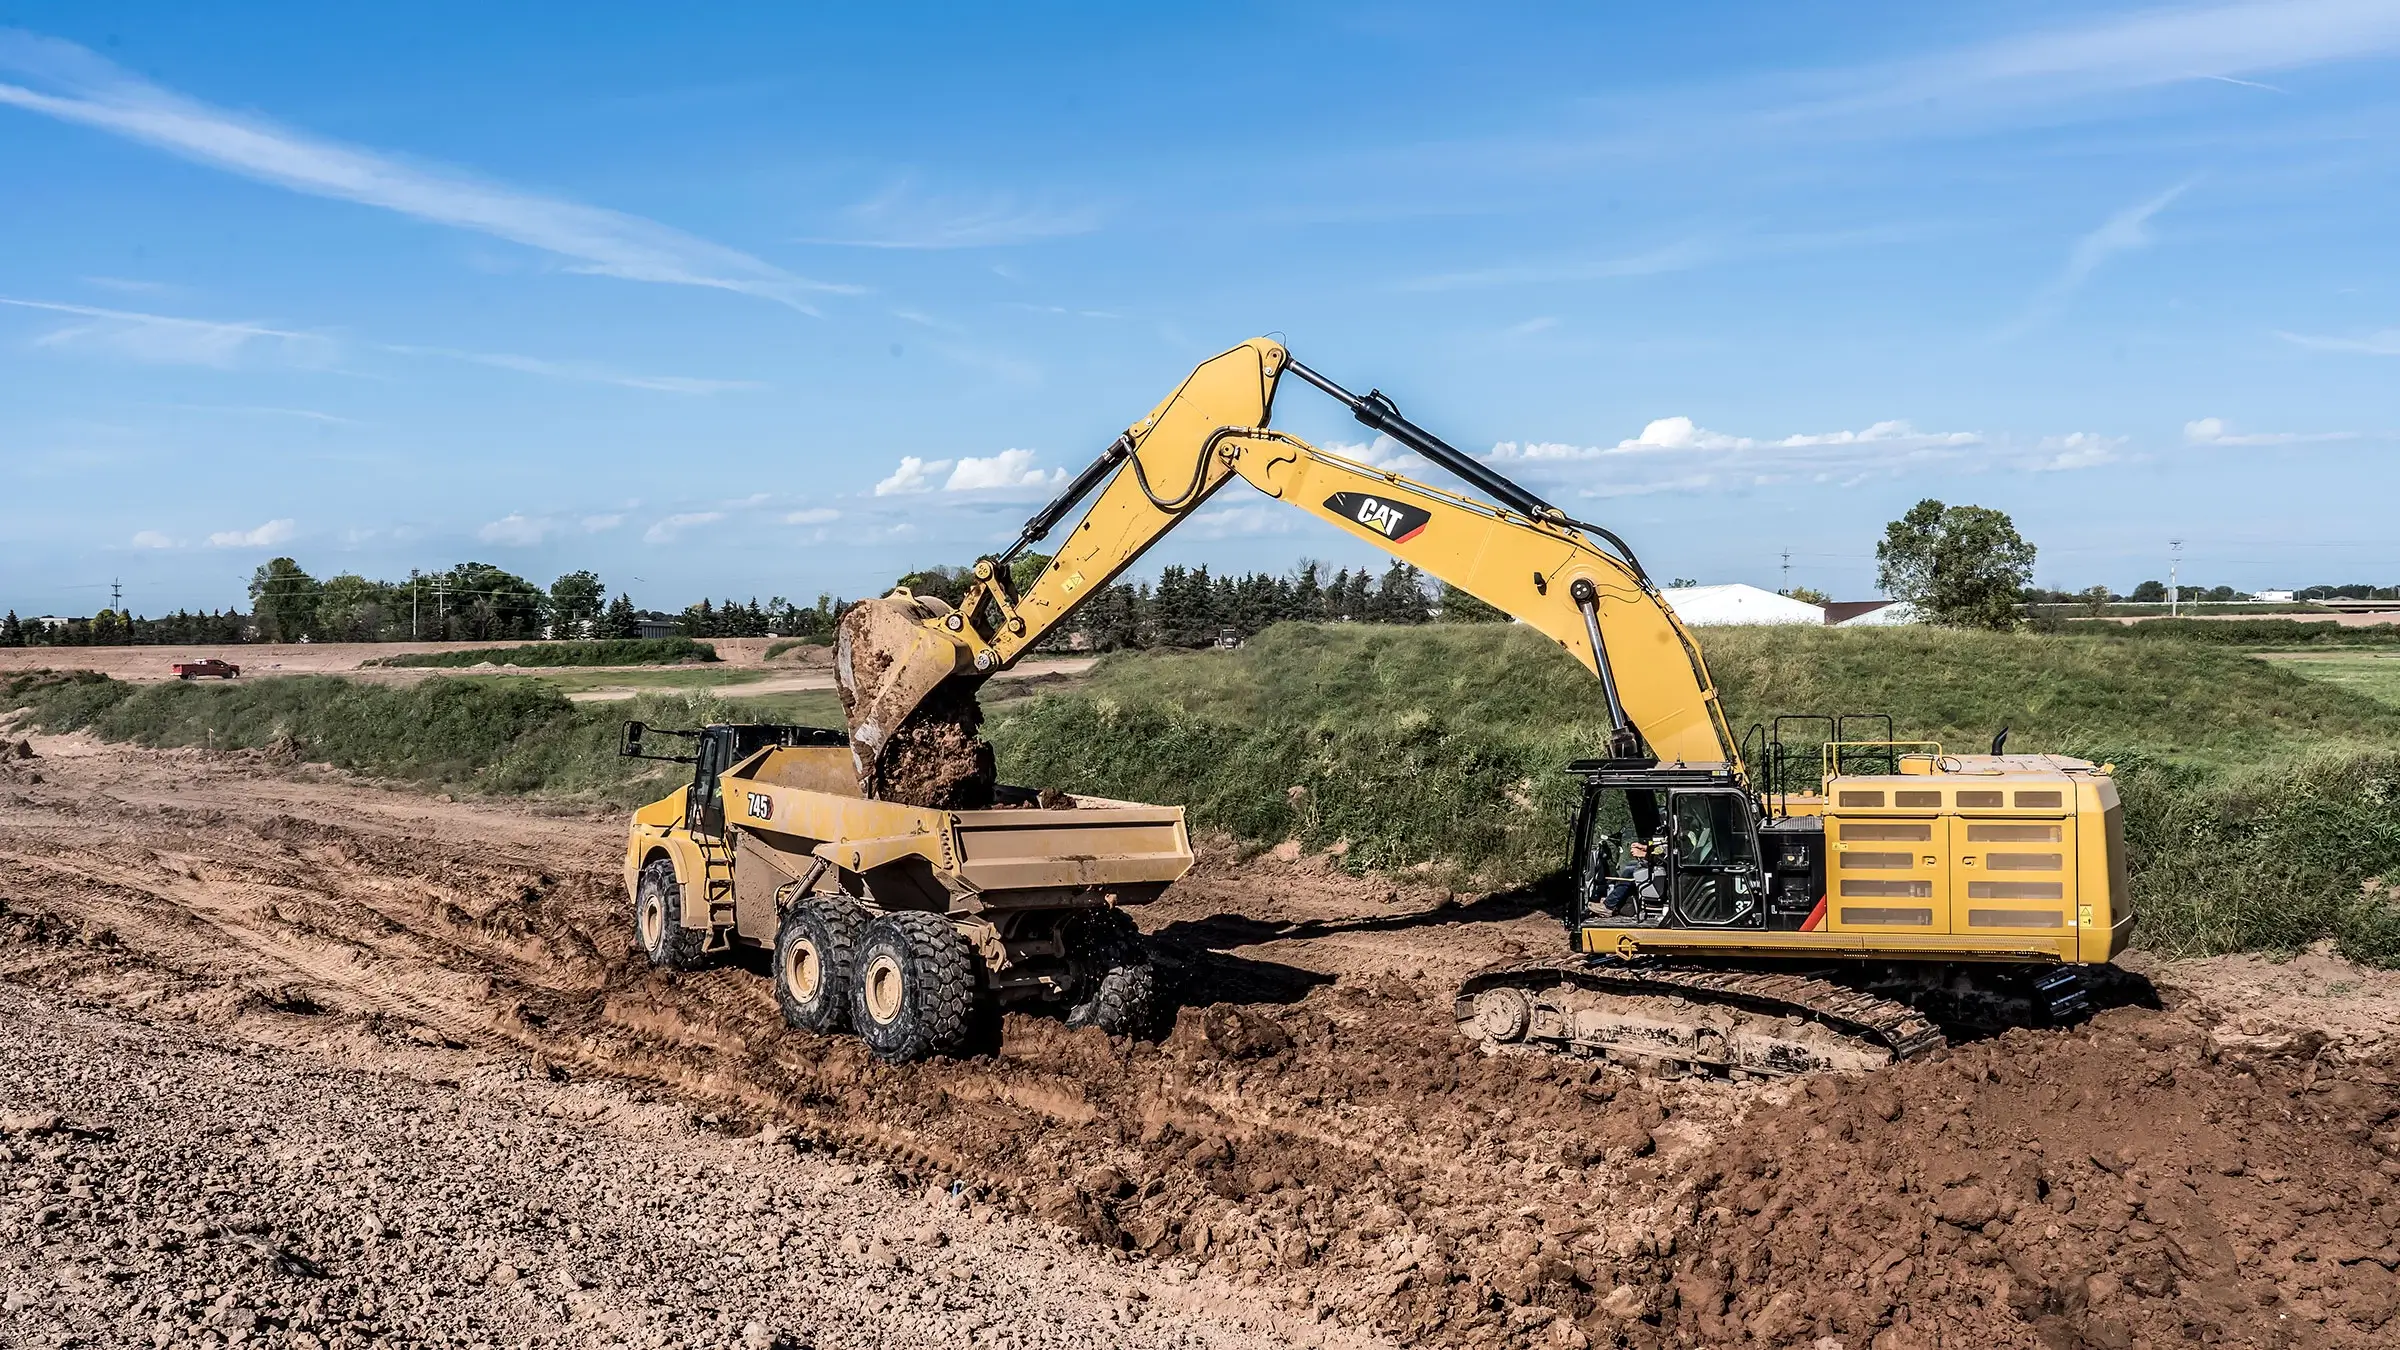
column 1125, row 1004
column 1117, row 990
column 816, row 939
column 658, row 920
column 913, row 985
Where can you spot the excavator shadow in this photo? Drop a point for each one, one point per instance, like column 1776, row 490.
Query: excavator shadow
column 1198, row 962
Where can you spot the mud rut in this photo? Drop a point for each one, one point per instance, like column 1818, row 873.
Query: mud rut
column 2143, row 1179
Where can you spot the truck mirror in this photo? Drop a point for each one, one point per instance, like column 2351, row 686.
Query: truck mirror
column 630, row 746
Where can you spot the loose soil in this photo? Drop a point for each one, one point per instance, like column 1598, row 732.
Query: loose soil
column 1308, row 1138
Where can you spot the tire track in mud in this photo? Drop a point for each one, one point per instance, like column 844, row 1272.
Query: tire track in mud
column 1330, row 1139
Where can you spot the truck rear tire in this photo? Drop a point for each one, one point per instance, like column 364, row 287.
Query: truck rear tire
column 658, row 920
column 813, row 948
column 913, row 985
column 1123, row 1005
column 1116, row 989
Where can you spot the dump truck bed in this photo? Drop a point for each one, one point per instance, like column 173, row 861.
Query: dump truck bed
column 792, row 801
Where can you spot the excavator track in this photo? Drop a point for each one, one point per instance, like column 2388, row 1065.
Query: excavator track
column 1706, row 1019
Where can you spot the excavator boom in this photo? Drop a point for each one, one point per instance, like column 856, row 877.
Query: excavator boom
column 1517, row 553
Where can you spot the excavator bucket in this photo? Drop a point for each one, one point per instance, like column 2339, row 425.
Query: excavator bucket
column 892, row 659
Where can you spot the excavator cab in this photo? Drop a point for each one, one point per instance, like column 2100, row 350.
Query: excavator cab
column 1706, row 865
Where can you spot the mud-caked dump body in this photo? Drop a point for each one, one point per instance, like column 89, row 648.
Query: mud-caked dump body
column 773, row 845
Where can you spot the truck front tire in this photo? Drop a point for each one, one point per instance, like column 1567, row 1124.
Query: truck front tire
column 813, row 965
column 913, row 985
column 658, row 920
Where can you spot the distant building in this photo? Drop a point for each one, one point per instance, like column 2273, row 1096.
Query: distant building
column 1890, row 615
column 1715, row 606
column 658, row 628
column 1843, row 611
column 2274, row 597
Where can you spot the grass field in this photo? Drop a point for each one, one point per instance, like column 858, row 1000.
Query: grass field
column 2373, row 674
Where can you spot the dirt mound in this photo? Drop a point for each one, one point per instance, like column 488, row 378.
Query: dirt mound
column 2134, row 1182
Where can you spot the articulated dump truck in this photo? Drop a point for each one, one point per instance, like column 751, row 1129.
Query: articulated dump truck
column 901, row 923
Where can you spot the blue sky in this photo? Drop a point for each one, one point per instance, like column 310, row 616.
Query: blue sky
column 784, row 301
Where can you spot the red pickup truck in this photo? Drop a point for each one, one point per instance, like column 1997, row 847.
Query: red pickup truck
column 207, row 667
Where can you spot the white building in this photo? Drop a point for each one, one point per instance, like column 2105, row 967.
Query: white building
column 1896, row 613
column 1713, row 606
column 2274, row 597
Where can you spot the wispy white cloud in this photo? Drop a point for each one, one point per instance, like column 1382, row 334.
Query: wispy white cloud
column 602, row 523
column 1008, row 469
column 665, row 531
column 2123, row 232
column 902, row 217
column 2110, row 55
column 516, row 530
column 265, row 536
column 2215, row 431
column 1679, row 256
column 252, row 410
column 172, row 340
column 2385, row 343
column 915, row 474
column 582, row 371
column 72, row 84
column 152, row 539
column 813, row 515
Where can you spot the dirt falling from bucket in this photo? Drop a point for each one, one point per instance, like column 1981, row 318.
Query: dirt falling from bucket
column 937, row 758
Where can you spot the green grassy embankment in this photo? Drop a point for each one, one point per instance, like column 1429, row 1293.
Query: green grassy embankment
column 609, row 652
column 2259, row 804
column 491, row 735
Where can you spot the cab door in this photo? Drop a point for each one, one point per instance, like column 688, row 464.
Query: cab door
column 706, row 801
column 1712, row 846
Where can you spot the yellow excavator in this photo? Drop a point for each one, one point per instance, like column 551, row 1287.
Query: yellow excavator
column 1826, row 900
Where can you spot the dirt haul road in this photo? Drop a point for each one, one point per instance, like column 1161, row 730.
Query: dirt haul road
column 1313, row 1153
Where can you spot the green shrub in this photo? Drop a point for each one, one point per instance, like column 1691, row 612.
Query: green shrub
column 782, row 645
column 610, row 652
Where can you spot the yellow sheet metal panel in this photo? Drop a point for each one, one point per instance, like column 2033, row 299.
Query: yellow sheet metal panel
column 2015, row 875
column 1885, row 874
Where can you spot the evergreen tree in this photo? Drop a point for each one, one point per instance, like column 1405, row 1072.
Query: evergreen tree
column 619, row 619
column 1460, row 607
column 12, row 631
column 1308, row 595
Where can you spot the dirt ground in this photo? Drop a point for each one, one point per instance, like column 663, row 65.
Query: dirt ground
column 322, row 966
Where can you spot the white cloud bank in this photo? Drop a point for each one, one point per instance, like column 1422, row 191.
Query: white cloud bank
column 2216, row 431
column 67, row 82
column 265, row 536
column 814, row 515
column 1008, row 469
column 152, row 539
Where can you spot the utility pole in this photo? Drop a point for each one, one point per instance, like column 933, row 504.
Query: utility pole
column 116, row 595
column 2174, row 575
column 1787, row 571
